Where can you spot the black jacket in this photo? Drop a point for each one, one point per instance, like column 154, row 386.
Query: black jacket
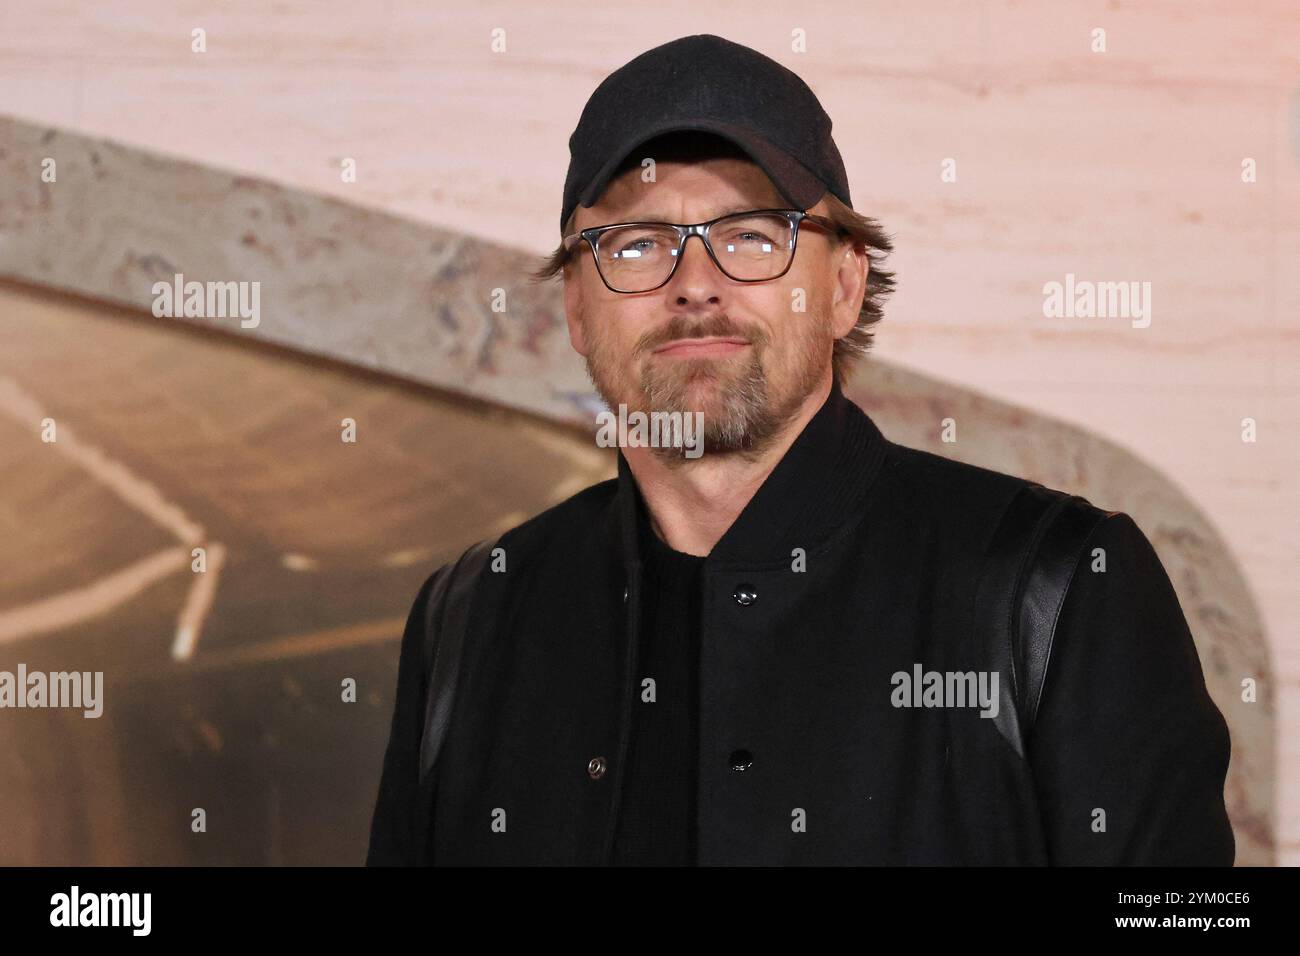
column 799, row 675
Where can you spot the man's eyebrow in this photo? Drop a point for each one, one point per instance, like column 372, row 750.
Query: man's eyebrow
column 653, row 217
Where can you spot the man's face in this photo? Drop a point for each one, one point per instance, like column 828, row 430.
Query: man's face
column 745, row 354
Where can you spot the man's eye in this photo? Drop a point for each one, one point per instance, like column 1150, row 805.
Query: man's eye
column 749, row 236
column 636, row 249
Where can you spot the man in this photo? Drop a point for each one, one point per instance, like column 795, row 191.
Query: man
column 807, row 645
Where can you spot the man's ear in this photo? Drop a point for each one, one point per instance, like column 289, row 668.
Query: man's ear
column 573, row 311
column 852, row 266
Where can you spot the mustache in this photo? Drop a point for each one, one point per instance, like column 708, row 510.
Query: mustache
column 683, row 327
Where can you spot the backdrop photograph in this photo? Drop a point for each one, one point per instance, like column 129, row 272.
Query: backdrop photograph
column 337, row 526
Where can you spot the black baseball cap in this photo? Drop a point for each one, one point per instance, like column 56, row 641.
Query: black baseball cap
column 710, row 85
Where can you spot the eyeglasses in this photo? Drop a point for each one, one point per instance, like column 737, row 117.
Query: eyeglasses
column 753, row 246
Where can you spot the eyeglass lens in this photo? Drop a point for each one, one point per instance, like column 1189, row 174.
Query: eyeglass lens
column 748, row 247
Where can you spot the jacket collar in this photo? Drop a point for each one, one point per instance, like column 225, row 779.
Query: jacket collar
column 818, row 487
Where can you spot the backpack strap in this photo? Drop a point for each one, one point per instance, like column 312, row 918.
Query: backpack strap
column 1045, row 584
column 1027, row 571
column 447, row 615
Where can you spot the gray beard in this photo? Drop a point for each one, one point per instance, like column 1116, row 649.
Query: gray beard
column 743, row 421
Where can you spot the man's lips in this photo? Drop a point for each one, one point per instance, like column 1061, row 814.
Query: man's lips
column 710, row 345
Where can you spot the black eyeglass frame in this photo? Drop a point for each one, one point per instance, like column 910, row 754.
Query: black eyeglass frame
column 797, row 218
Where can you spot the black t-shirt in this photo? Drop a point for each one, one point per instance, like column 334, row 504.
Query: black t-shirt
column 657, row 821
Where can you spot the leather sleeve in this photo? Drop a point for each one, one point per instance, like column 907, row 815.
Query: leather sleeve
column 392, row 828
column 1129, row 752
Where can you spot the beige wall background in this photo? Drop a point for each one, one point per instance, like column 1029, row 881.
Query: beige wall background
column 1123, row 165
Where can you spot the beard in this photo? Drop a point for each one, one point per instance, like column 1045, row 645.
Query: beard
column 743, row 412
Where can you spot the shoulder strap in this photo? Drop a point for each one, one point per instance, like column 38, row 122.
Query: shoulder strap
column 1026, row 573
column 446, row 621
column 1043, row 591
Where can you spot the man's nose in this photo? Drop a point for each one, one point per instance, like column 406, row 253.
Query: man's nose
column 697, row 277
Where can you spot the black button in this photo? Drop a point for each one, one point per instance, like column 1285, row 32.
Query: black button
column 744, row 595
column 596, row 768
column 741, row 760
column 625, row 594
